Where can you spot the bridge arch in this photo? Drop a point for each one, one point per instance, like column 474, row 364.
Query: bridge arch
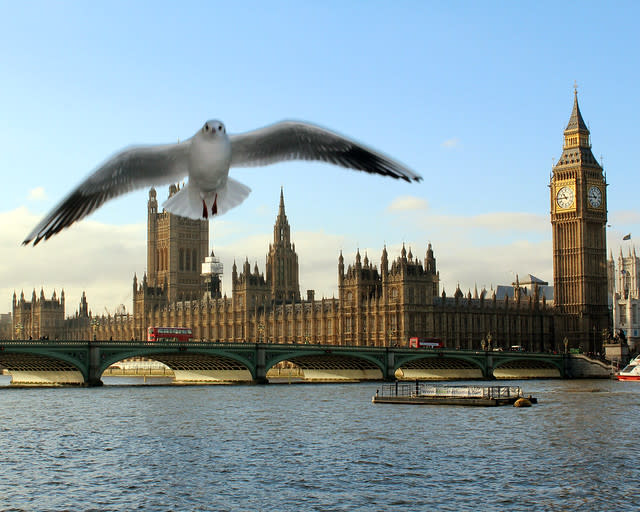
column 527, row 368
column 327, row 365
column 192, row 366
column 44, row 367
column 423, row 365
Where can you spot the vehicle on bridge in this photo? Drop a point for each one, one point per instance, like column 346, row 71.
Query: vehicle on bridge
column 416, row 342
column 182, row 334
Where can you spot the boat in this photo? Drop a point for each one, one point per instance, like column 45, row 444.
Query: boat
column 631, row 371
column 427, row 393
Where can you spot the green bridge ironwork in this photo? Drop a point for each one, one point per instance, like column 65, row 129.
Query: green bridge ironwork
column 90, row 359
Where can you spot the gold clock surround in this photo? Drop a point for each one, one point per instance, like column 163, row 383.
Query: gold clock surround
column 564, row 196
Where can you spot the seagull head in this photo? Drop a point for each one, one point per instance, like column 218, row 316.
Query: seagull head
column 213, row 128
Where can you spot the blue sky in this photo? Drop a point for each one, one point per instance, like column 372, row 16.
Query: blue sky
column 472, row 95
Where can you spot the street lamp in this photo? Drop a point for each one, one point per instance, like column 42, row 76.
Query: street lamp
column 391, row 334
column 95, row 324
column 260, row 331
column 19, row 330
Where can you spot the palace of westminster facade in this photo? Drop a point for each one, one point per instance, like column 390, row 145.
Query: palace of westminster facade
column 376, row 305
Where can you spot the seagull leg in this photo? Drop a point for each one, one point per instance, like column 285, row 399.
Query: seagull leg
column 214, row 206
column 205, row 214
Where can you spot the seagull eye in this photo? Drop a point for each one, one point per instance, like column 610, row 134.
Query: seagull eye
column 206, row 127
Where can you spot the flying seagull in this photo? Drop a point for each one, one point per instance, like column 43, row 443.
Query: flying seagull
column 206, row 158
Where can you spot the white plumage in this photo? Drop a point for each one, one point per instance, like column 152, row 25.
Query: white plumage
column 206, row 158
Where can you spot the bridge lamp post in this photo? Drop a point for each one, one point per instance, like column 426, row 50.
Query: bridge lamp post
column 489, row 340
column 19, row 330
column 260, row 331
column 95, row 324
column 392, row 335
column 566, row 344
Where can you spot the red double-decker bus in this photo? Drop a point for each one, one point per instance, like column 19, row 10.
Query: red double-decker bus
column 169, row 334
column 425, row 343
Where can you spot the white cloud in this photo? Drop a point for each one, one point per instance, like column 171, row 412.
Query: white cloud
column 37, row 194
column 406, row 203
column 452, row 143
column 93, row 257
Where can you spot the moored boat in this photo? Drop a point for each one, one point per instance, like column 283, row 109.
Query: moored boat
column 434, row 394
column 631, row 371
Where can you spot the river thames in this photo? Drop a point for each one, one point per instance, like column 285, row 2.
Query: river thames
column 316, row 447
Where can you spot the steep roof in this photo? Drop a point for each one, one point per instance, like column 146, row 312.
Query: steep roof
column 575, row 121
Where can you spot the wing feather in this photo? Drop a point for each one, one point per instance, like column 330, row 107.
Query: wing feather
column 295, row 140
column 133, row 168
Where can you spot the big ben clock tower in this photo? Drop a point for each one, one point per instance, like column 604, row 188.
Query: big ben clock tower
column 578, row 219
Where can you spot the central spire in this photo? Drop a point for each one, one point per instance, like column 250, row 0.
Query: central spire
column 281, row 228
column 281, row 208
column 576, row 123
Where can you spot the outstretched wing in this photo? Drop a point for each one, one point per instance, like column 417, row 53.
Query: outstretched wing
column 294, row 140
column 132, row 168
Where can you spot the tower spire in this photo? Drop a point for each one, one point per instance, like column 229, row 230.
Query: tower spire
column 281, row 212
column 576, row 122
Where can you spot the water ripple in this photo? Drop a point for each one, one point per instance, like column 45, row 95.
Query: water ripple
column 324, row 448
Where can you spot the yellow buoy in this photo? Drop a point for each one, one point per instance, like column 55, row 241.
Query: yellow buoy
column 522, row 402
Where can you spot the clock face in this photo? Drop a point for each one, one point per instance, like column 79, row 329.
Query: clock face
column 595, row 197
column 565, row 197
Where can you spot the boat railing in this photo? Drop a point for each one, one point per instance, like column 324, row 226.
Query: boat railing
column 417, row 389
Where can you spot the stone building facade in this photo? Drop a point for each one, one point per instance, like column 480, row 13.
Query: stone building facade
column 378, row 306
column 626, row 296
column 38, row 318
column 578, row 218
column 381, row 305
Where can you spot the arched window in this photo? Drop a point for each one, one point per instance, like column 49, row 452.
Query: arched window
column 194, row 260
column 181, row 260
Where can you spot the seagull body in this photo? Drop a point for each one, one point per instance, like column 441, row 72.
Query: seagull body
column 206, row 158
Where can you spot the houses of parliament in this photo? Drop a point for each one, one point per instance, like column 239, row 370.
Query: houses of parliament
column 379, row 303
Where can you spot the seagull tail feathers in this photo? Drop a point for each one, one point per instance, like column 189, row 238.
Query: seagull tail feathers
column 187, row 202
column 231, row 195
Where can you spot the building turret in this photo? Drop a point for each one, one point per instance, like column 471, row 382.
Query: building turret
column 282, row 261
column 384, row 264
column 430, row 261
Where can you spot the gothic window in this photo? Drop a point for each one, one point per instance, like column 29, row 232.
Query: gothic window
column 394, row 293
column 181, row 260
column 194, row 260
column 188, row 259
column 349, row 296
column 329, row 326
column 347, row 324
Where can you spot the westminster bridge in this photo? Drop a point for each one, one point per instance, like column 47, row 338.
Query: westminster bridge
column 52, row 363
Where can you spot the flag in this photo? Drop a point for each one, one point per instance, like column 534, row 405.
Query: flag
column 627, row 237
